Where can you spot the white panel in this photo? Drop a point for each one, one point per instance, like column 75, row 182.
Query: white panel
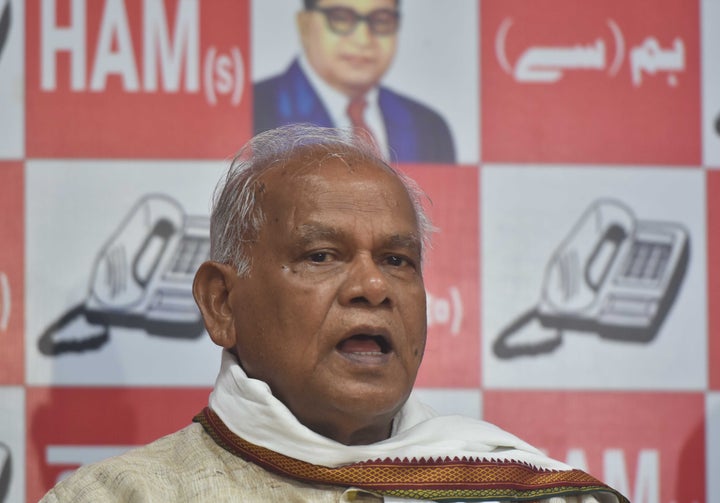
column 75, row 209
column 527, row 216
column 12, row 81
column 12, row 444
column 712, row 443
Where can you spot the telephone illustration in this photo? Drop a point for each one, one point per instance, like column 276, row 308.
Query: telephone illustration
column 142, row 278
column 5, row 18
column 612, row 275
column 5, row 471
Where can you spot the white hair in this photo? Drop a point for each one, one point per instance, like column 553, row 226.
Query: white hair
column 237, row 214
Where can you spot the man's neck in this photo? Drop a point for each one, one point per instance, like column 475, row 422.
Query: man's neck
column 354, row 434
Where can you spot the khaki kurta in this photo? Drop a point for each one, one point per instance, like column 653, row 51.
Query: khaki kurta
column 188, row 466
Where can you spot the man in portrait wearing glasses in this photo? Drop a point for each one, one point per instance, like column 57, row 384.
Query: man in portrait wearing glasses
column 348, row 45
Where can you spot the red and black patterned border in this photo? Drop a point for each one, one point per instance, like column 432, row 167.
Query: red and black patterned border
column 439, row 480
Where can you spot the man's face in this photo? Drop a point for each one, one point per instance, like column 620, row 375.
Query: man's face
column 352, row 63
column 332, row 313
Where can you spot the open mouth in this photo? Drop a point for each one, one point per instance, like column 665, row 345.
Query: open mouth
column 365, row 344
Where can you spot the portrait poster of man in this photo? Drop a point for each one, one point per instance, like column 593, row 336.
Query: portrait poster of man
column 379, row 65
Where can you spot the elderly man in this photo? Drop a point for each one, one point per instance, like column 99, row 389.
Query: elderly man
column 315, row 292
column 348, row 45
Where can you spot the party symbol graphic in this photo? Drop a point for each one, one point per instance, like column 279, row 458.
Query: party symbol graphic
column 142, row 278
column 613, row 275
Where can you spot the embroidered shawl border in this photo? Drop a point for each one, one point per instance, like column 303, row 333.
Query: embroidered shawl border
column 440, row 480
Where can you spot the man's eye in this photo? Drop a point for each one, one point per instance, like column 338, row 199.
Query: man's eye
column 341, row 15
column 319, row 257
column 396, row 261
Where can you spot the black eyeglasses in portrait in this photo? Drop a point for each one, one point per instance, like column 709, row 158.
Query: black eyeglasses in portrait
column 343, row 21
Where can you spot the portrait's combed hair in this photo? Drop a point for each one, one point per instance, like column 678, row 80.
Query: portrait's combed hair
column 237, row 215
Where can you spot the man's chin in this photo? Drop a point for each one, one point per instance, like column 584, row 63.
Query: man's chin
column 364, row 418
column 356, row 86
column 372, row 401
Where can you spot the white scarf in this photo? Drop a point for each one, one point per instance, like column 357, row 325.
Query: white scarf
column 249, row 409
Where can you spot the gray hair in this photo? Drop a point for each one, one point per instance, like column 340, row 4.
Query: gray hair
column 237, row 215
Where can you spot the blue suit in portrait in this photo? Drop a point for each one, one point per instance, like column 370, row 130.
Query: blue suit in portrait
column 416, row 134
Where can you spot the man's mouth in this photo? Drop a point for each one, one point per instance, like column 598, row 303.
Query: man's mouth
column 357, row 60
column 365, row 345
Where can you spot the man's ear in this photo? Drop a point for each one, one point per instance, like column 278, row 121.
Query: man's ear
column 302, row 20
column 211, row 289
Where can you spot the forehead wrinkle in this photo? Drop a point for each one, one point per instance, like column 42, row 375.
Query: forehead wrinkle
column 310, row 232
column 407, row 241
column 377, row 201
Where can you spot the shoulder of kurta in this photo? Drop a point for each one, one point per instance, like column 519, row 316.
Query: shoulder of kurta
column 160, row 469
column 184, row 466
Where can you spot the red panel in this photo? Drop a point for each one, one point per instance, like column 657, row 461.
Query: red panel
column 591, row 109
column 650, row 446
column 99, row 417
column 452, row 277
column 713, row 265
column 90, row 91
column 12, row 273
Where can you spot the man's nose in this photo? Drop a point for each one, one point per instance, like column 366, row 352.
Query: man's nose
column 362, row 33
column 365, row 284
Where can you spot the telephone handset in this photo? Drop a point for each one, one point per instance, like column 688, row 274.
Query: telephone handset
column 142, row 278
column 128, row 261
column 613, row 275
column 5, row 19
column 5, row 471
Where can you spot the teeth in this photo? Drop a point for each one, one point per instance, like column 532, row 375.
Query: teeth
column 370, row 345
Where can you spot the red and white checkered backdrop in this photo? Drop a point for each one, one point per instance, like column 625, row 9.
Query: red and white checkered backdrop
column 573, row 286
